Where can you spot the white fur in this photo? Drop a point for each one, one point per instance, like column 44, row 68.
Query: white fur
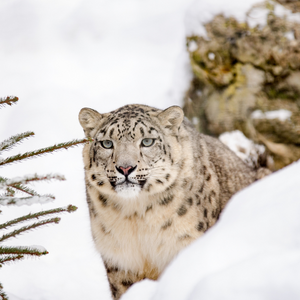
column 128, row 190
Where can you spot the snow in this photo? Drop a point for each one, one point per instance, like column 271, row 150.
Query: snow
column 192, row 46
column 281, row 11
column 60, row 56
column 254, row 12
column 253, row 252
column 211, row 55
column 38, row 248
column 244, row 148
column 19, row 201
column 24, row 180
column 281, row 114
column 195, row 121
column 30, row 177
column 290, row 35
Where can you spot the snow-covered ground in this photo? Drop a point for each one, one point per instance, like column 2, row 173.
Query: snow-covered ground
column 253, row 252
column 60, row 56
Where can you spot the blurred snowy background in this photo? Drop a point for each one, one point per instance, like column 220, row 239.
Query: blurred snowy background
column 60, row 56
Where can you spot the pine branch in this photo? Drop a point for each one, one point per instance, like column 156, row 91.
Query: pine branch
column 25, row 189
column 2, row 294
column 7, row 200
column 69, row 209
column 8, row 100
column 22, row 251
column 10, row 258
column 14, row 140
column 42, row 151
column 29, row 227
column 9, row 185
column 17, row 183
column 9, row 192
column 5, row 182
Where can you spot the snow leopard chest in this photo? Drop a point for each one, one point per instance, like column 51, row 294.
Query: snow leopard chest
column 147, row 241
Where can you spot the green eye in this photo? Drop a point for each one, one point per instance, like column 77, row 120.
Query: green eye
column 107, row 144
column 147, row 142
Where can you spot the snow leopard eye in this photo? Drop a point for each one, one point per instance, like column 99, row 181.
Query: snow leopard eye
column 147, row 142
column 107, row 144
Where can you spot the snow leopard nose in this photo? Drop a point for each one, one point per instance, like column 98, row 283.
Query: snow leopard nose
column 125, row 171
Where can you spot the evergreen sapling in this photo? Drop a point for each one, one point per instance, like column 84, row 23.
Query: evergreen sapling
column 9, row 195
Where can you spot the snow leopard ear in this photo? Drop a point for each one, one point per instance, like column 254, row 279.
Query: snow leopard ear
column 89, row 120
column 171, row 117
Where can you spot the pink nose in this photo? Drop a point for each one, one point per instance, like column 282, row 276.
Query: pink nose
column 126, row 171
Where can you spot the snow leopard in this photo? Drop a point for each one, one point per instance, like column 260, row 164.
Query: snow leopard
column 154, row 184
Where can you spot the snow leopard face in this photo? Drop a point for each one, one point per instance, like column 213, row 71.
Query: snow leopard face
column 135, row 150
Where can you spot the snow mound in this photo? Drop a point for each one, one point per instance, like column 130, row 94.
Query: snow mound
column 281, row 114
column 244, row 148
column 253, row 252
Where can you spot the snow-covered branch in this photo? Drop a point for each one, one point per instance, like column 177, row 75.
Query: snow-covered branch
column 4, row 182
column 69, row 208
column 7, row 200
column 29, row 227
column 42, row 151
column 14, row 140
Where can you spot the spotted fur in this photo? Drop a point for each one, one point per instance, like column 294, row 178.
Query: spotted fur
column 148, row 203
